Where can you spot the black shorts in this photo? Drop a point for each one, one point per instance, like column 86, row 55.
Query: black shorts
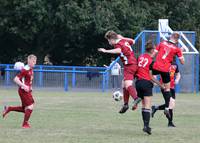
column 165, row 75
column 173, row 94
column 144, row 88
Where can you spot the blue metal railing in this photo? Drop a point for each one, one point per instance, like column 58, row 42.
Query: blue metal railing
column 66, row 70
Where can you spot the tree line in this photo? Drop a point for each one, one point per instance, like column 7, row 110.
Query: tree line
column 71, row 31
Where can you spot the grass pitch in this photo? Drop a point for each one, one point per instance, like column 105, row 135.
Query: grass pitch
column 75, row 117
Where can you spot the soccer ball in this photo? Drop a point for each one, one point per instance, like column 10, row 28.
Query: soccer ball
column 117, row 95
column 18, row 65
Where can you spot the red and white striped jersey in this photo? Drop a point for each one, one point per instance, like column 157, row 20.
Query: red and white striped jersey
column 127, row 55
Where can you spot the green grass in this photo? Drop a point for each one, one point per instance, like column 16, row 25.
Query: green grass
column 70, row 117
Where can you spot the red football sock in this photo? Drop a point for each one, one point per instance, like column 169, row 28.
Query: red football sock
column 15, row 108
column 132, row 91
column 27, row 115
column 126, row 96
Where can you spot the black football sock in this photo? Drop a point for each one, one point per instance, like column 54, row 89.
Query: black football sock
column 171, row 115
column 167, row 95
column 146, row 116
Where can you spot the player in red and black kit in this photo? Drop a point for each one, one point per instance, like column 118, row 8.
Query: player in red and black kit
column 24, row 80
column 174, row 79
column 122, row 46
column 166, row 51
column 144, row 84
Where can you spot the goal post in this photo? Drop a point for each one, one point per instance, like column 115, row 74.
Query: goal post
column 165, row 31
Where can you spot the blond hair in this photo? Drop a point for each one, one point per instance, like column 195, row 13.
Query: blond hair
column 32, row 56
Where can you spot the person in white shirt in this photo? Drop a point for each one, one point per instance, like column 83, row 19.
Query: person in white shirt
column 115, row 73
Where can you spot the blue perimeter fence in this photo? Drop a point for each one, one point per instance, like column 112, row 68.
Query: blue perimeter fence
column 67, row 77
column 98, row 78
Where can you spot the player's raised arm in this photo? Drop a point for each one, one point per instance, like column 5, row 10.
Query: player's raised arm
column 182, row 60
column 180, row 56
column 112, row 51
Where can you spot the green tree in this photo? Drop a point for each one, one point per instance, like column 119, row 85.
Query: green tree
column 71, row 31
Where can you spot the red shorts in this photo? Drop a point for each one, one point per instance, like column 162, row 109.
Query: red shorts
column 26, row 97
column 130, row 71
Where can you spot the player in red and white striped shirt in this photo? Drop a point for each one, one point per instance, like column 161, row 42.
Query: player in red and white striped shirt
column 122, row 47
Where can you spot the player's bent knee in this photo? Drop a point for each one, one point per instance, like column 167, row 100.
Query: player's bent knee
column 128, row 83
column 30, row 107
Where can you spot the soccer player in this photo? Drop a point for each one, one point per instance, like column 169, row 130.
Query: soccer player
column 174, row 79
column 122, row 46
column 24, row 80
column 144, row 84
column 166, row 51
